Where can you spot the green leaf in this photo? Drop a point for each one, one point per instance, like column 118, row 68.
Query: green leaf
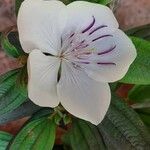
column 11, row 45
column 141, row 32
column 139, row 71
column 12, row 94
column 37, row 134
column 145, row 116
column 4, row 140
column 83, row 136
column 42, row 113
column 103, row 2
column 17, row 5
column 114, row 86
column 57, row 119
column 123, row 129
column 67, row 119
column 9, row 49
column 139, row 94
column 26, row 109
column 13, row 38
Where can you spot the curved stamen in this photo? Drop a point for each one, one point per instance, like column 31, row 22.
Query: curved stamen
column 78, row 48
column 61, row 41
column 105, row 63
column 100, row 27
column 71, row 35
column 103, row 36
column 81, row 46
column 85, row 46
column 107, row 51
column 90, row 26
column 84, row 62
column 82, row 57
column 76, row 66
column 82, row 41
column 87, row 53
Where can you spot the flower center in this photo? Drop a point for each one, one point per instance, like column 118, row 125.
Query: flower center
column 77, row 47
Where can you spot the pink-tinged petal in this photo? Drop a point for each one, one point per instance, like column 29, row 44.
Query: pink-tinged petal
column 42, row 72
column 87, row 23
column 40, row 25
column 84, row 18
column 111, row 57
column 87, row 16
column 82, row 96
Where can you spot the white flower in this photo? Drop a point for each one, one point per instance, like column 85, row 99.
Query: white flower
column 82, row 43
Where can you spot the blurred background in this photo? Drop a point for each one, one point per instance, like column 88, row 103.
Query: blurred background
column 129, row 13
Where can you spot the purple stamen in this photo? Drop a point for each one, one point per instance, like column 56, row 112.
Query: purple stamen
column 84, row 46
column 90, row 26
column 103, row 36
column 81, row 57
column 106, row 63
column 100, row 27
column 84, row 62
column 61, row 41
column 87, row 53
column 76, row 66
column 81, row 45
column 71, row 41
column 72, row 35
column 107, row 51
column 82, row 42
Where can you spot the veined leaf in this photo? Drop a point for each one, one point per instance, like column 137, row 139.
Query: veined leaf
column 141, row 32
column 4, row 140
column 42, row 113
column 24, row 110
column 6, row 81
column 12, row 94
column 140, row 95
column 123, row 129
column 9, row 49
column 37, row 134
column 11, row 45
column 139, row 71
column 83, row 136
column 145, row 116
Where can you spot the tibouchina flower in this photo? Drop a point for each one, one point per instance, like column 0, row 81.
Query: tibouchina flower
column 74, row 52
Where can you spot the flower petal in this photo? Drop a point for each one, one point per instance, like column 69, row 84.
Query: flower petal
column 85, row 22
column 82, row 96
column 40, row 25
column 84, row 16
column 112, row 58
column 42, row 72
